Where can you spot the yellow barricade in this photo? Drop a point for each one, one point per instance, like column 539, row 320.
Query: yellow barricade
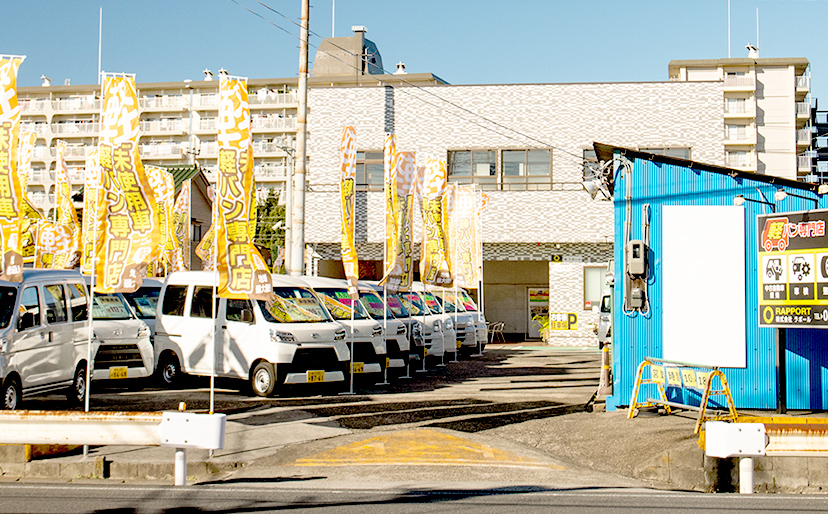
column 685, row 376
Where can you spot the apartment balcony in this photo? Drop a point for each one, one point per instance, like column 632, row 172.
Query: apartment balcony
column 803, row 137
column 202, row 101
column 162, row 126
column 269, row 172
column 205, row 125
column 272, row 124
column 266, row 147
column 67, row 129
column 76, row 105
column 276, row 100
column 803, row 110
column 746, row 111
column 804, row 163
column 803, row 86
column 208, row 149
column 37, row 128
column 42, row 153
column 41, row 176
column 744, row 137
column 739, row 83
column 41, row 200
column 161, row 151
column 34, row 105
column 745, row 161
column 163, row 103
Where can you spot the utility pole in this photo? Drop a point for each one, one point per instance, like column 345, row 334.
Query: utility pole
column 297, row 229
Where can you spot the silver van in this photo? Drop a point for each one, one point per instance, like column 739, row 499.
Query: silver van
column 44, row 336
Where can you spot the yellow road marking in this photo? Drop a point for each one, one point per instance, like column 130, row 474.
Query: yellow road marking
column 419, row 448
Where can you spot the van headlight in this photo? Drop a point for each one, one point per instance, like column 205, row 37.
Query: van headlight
column 339, row 335
column 449, row 324
column 277, row 336
column 377, row 331
column 4, row 344
column 436, row 326
column 144, row 331
column 401, row 329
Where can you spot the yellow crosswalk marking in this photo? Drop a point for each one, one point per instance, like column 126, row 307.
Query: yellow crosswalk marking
column 420, row 447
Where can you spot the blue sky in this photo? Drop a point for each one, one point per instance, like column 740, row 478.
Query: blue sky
column 461, row 41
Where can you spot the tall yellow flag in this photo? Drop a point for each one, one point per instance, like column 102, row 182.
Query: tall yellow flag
column 463, row 217
column 399, row 264
column 94, row 211
column 162, row 183
column 243, row 272
column 434, row 257
column 68, row 245
column 29, row 213
column 181, row 228
column 130, row 228
column 11, row 258
column 347, row 193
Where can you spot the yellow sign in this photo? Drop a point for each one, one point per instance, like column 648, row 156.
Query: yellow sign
column 358, row 367
column 657, row 374
column 688, row 376
column 347, row 193
column 673, row 377
column 11, row 259
column 701, row 378
column 117, row 372
column 434, row 258
column 563, row 321
column 316, row 376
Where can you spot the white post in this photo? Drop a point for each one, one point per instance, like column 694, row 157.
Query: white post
column 180, row 466
column 746, row 475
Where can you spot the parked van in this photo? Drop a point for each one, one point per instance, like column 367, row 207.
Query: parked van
column 438, row 329
column 413, row 328
column 144, row 302
column 288, row 340
column 44, row 336
column 363, row 334
column 125, row 350
column 605, row 320
column 449, row 330
column 394, row 330
column 464, row 322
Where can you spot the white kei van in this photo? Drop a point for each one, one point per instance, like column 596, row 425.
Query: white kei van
column 125, row 350
column 438, row 329
column 44, row 336
column 144, row 301
column 288, row 340
column 396, row 335
column 449, row 330
column 408, row 338
column 363, row 334
column 479, row 319
column 464, row 322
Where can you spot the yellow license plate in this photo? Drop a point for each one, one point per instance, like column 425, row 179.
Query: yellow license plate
column 118, row 372
column 387, row 362
column 316, row 376
column 358, row 367
column 459, row 344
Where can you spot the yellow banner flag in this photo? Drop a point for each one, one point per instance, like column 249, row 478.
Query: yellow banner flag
column 30, row 213
column 94, row 211
column 68, row 247
column 434, row 258
column 130, row 228
column 27, row 143
column 181, row 229
column 161, row 181
column 398, row 274
column 463, row 217
column 11, row 260
column 389, row 188
column 243, row 272
column 347, row 192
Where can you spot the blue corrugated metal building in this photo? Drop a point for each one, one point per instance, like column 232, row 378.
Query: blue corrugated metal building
column 659, row 181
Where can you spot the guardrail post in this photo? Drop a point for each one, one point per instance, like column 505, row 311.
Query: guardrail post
column 746, row 475
column 180, row 466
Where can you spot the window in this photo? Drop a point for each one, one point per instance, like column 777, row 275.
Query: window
column 739, row 158
column 202, row 304
column 240, row 310
column 78, row 302
column 735, row 132
column 525, row 170
column 370, row 171
column 55, row 306
column 594, row 283
column 473, row 167
column 735, row 105
column 681, row 153
column 29, row 309
column 174, row 298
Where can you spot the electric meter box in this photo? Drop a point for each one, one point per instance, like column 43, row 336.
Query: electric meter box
column 636, row 257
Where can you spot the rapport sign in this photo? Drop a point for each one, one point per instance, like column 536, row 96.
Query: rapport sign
column 793, row 269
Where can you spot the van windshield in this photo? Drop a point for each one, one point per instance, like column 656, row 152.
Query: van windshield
column 468, row 303
column 110, row 306
column 414, row 304
column 449, row 301
column 340, row 304
column 374, row 305
column 8, row 296
column 397, row 307
column 293, row 305
column 144, row 301
column 430, row 301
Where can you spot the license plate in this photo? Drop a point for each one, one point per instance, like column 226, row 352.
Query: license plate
column 458, row 345
column 387, row 362
column 316, row 376
column 359, row 367
column 118, row 372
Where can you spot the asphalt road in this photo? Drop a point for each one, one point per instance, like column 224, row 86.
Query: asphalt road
column 241, row 498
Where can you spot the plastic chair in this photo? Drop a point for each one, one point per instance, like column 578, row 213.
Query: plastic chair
column 496, row 332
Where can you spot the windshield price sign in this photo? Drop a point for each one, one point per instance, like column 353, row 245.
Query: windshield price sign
column 793, row 269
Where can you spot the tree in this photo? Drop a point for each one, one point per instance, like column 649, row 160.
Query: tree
column 270, row 226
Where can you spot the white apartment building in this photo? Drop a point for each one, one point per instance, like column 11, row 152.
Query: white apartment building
column 766, row 111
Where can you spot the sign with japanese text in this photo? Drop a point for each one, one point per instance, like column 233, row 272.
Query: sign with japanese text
column 94, row 211
column 11, row 258
column 181, row 228
column 242, row 270
column 29, row 213
column 793, row 269
column 563, row 321
column 347, row 193
column 161, row 181
column 463, row 235
column 400, row 263
column 130, row 228
column 68, row 246
column 434, row 258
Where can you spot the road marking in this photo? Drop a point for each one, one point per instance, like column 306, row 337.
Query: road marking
column 420, row 447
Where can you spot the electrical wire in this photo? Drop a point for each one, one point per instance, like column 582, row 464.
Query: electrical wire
column 379, row 78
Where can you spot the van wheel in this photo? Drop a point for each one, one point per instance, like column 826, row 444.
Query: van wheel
column 169, row 371
column 12, row 395
column 263, row 379
column 77, row 393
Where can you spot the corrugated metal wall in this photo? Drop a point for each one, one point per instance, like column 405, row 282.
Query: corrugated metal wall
column 638, row 336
